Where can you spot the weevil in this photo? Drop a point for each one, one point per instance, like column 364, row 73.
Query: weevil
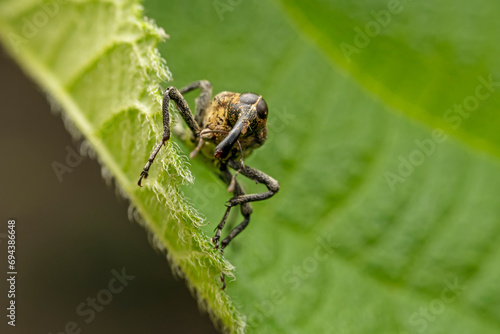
column 226, row 129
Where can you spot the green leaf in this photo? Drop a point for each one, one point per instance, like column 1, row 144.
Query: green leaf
column 98, row 60
column 401, row 234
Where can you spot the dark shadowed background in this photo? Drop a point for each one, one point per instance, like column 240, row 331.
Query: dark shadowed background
column 72, row 234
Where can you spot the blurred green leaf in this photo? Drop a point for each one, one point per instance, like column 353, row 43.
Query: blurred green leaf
column 407, row 211
column 421, row 59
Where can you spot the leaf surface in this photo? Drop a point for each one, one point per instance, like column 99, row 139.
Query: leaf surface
column 387, row 209
column 99, row 62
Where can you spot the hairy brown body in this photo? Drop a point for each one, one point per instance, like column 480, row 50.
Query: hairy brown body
column 220, row 119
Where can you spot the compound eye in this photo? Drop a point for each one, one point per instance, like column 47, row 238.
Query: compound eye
column 262, row 109
column 249, row 98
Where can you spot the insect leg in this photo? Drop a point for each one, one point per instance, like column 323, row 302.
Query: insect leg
column 184, row 110
column 259, row 177
column 234, row 232
column 246, row 211
column 182, row 106
column 201, row 102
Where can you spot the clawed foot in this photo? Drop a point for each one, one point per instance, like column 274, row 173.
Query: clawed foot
column 218, row 245
column 222, row 279
column 221, row 245
column 143, row 175
column 215, row 241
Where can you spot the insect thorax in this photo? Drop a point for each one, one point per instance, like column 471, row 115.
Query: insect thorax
column 217, row 118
